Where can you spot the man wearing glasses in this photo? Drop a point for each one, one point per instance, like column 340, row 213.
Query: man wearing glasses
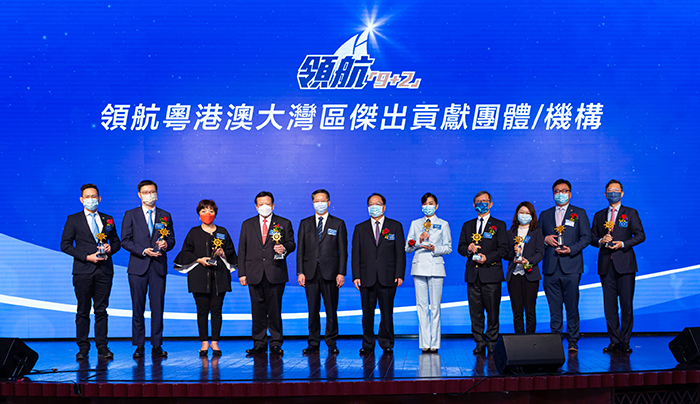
column 567, row 232
column 616, row 229
column 378, row 267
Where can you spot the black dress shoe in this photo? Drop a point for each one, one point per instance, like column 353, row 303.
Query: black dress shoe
column 388, row 351
column 104, row 353
column 256, row 350
column 158, row 352
column 82, row 354
column 433, row 350
column 478, row 350
column 310, row 349
column 625, row 348
column 216, row 352
column 366, row 351
column 333, row 350
column 277, row 350
column 138, row 353
column 203, row 352
column 612, row 348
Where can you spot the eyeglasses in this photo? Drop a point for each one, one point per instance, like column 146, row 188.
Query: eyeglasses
column 149, row 193
column 376, row 204
column 561, row 191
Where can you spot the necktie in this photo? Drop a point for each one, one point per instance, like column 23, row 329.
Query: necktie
column 319, row 228
column 481, row 225
column 94, row 226
column 612, row 215
column 560, row 216
column 376, row 234
column 150, row 222
column 264, row 230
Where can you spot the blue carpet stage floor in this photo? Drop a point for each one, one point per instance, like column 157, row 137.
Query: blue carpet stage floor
column 408, row 373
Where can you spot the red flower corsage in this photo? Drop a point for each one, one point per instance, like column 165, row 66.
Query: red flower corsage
column 623, row 218
column 110, row 221
column 386, row 233
column 574, row 217
column 411, row 243
column 492, row 229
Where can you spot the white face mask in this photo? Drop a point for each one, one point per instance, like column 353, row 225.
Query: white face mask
column 321, row 207
column 265, row 210
column 90, row 203
column 149, row 199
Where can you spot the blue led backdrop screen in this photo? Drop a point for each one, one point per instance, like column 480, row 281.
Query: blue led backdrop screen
column 222, row 100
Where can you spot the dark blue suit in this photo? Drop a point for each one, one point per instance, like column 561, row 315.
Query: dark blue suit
column 146, row 274
column 562, row 272
column 92, row 282
column 617, row 269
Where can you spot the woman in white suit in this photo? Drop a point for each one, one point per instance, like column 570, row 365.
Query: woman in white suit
column 430, row 238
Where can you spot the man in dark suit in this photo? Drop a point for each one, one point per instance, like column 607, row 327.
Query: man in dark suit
column 378, row 268
column 322, row 260
column 617, row 263
column 92, row 271
column 147, row 233
column 563, row 264
column 265, row 242
column 484, row 241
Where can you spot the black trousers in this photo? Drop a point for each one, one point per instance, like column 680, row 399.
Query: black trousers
column 484, row 297
column 95, row 287
column 523, row 295
column 315, row 289
column 266, row 307
column 209, row 303
column 618, row 286
column 369, row 297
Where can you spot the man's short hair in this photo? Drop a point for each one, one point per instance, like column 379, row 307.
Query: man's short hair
column 561, row 181
column 478, row 194
column 147, row 182
column 88, row 186
column 379, row 195
column 263, row 194
column 320, row 191
column 613, row 182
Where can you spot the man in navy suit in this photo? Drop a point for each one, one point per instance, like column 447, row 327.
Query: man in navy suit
column 617, row 263
column 147, row 233
column 92, row 271
column 322, row 259
column 484, row 240
column 265, row 242
column 563, row 264
column 378, row 268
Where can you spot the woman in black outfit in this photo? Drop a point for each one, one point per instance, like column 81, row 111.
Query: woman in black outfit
column 207, row 281
column 523, row 275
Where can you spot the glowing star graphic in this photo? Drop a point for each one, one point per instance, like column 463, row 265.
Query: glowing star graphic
column 350, row 66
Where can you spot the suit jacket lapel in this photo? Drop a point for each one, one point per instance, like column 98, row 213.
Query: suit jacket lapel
column 86, row 225
column 370, row 228
column 272, row 223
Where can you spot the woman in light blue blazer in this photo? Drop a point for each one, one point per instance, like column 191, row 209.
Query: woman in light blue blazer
column 430, row 239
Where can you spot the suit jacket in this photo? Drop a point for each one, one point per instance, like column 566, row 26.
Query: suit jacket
column 533, row 251
column 78, row 241
column 383, row 262
column 632, row 233
column 135, row 239
column 425, row 262
column 256, row 259
column 330, row 254
column 576, row 237
column 495, row 249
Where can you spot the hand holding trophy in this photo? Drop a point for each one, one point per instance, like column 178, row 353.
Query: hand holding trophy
column 276, row 237
column 426, row 233
column 217, row 243
column 476, row 237
column 560, row 239
column 609, row 225
column 518, row 249
column 100, row 245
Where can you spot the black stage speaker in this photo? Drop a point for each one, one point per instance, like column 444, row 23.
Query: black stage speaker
column 529, row 353
column 16, row 358
column 685, row 346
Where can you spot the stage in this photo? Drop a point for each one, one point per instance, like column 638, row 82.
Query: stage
column 453, row 374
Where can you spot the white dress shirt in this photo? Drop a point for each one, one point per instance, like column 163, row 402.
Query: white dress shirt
column 97, row 220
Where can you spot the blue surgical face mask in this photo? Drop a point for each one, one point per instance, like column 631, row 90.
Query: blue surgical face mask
column 321, row 207
column 481, row 207
column 614, row 197
column 90, row 203
column 524, row 219
column 375, row 210
column 429, row 210
column 561, row 199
